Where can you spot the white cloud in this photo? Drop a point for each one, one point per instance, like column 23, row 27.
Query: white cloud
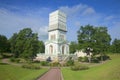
column 77, row 23
column 78, row 15
column 109, row 18
column 89, row 11
column 82, row 14
column 115, row 30
column 43, row 32
column 80, row 9
column 11, row 22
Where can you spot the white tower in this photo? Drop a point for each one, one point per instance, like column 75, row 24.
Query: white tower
column 57, row 43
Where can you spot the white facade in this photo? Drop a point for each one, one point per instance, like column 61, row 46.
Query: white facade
column 57, row 43
column 81, row 53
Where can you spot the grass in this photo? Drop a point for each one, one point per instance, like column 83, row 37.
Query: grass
column 11, row 72
column 110, row 70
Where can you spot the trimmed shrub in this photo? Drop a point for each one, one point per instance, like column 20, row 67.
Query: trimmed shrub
column 22, row 60
column 79, row 67
column 30, row 66
column 1, row 56
column 75, row 68
column 55, row 64
column 7, row 55
column 105, row 57
column 94, row 60
column 17, row 60
column 36, row 61
column 80, row 59
column 44, row 63
column 83, row 59
column 70, row 63
column 12, row 59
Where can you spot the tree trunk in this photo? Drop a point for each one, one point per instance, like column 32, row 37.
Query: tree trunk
column 89, row 58
column 101, row 56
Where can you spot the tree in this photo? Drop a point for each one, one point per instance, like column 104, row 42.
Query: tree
column 85, row 36
column 116, row 46
column 4, row 44
column 31, row 47
column 96, row 38
column 85, row 39
column 13, row 41
column 25, row 44
column 73, row 47
column 102, row 41
column 41, row 47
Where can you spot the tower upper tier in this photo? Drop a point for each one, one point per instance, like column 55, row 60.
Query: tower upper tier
column 57, row 21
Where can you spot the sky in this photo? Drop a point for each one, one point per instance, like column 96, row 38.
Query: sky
column 16, row 15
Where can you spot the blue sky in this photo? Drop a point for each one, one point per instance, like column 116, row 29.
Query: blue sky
column 18, row 14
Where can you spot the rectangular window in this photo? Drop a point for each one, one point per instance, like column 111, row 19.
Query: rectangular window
column 53, row 37
column 61, row 37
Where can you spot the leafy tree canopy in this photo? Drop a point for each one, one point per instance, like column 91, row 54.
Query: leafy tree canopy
column 25, row 44
column 73, row 47
column 116, row 46
column 4, row 44
column 96, row 38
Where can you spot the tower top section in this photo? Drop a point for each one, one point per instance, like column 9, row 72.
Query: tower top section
column 57, row 21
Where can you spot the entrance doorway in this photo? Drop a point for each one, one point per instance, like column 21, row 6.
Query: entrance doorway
column 51, row 49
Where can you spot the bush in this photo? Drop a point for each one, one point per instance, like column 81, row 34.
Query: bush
column 36, row 61
column 44, row 63
column 1, row 56
column 30, row 66
column 55, row 64
column 7, row 55
column 70, row 63
column 75, row 68
column 21, row 60
column 105, row 57
column 80, row 59
column 79, row 67
column 94, row 60
column 83, row 59
column 17, row 60
column 12, row 59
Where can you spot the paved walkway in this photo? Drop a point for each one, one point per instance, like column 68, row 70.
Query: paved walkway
column 52, row 74
column 8, row 62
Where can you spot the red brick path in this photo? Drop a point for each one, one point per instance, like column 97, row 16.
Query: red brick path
column 52, row 74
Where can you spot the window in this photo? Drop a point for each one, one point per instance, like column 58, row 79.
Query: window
column 53, row 37
column 62, row 37
column 51, row 49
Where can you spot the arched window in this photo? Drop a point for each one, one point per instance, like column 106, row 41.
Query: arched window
column 51, row 49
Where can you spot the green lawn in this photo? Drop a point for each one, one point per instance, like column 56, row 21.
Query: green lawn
column 10, row 72
column 110, row 70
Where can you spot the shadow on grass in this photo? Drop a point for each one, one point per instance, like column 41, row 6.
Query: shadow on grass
column 4, row 64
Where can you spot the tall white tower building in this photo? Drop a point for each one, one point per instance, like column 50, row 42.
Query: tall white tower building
column 57, row 43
